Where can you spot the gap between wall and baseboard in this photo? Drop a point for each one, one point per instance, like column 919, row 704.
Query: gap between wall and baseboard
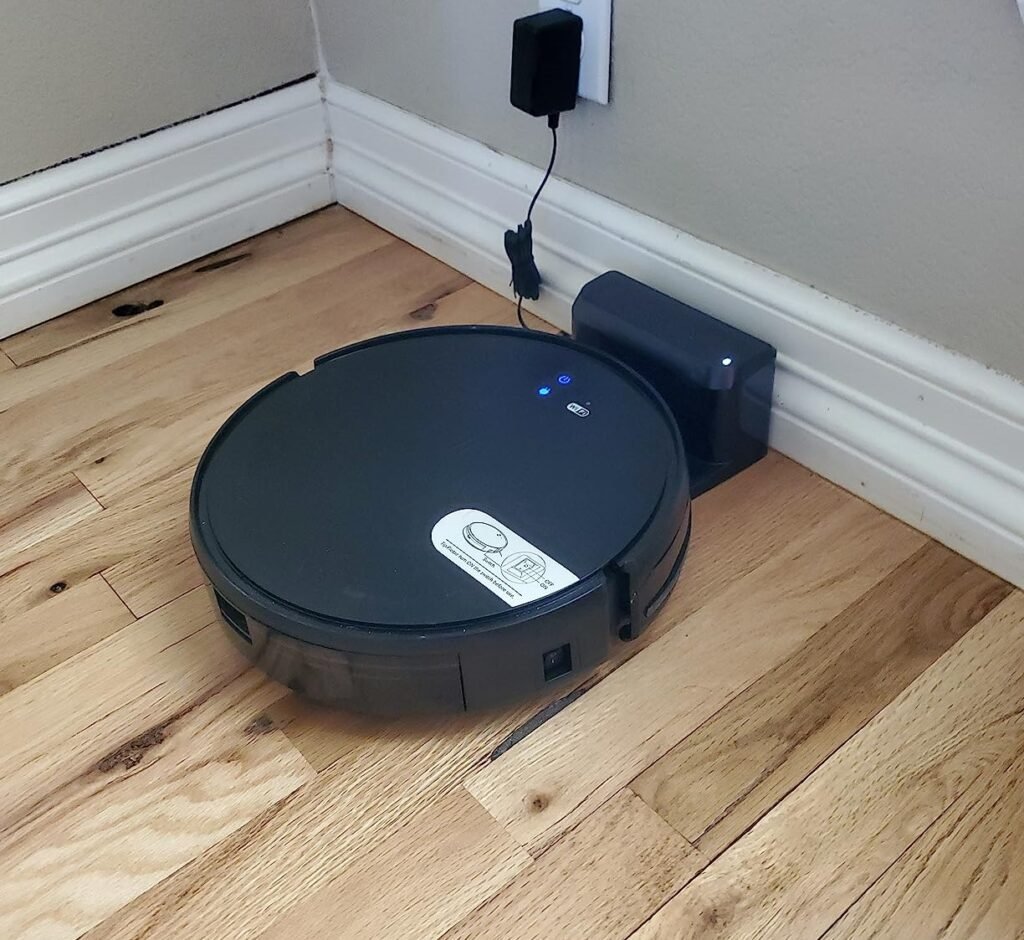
column 928, row 435
column 932, row 437
column 84, row 229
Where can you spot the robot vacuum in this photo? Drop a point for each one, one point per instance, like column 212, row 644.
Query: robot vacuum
column 443, row 519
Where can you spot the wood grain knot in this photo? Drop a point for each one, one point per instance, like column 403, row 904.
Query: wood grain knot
column 222, row 263
column 261, row 724
column 58, row 586
column 426, row 312
column 133, row 310
column 128, row 755
column 710, row 917
column 537, row 802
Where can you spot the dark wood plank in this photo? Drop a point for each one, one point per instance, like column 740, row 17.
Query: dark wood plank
column 962, row 880
column 571, row 765
column 720, row 780
column 605, row 878
column 808, row 860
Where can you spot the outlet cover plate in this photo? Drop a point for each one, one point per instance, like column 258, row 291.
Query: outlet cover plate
column 595, row 69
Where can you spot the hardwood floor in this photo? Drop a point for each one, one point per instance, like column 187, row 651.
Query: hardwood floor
column 821, row 735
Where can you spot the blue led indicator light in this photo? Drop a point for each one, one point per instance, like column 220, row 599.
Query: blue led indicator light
column 564, row 379
column 544, row 390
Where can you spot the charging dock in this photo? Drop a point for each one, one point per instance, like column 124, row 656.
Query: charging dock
column 716, row 379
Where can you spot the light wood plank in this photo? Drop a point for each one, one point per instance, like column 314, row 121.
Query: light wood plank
column 784, row 498
column 963, row 879
column 810, row 858
column 63, row 504
column 80, row 387
column 605, row 878
column 18, row 502
column 160, row 571
column 176, row 432
column 267, row 264
column 572, row 764
column 143, row 811
column 169, row 439
column 156, row 573
column 68, row 623
column 325, row 735
column 87, row 408
column 85, row 419
column 59, row 725
column 448, row 859
column 149, row 522
column 389, row 771
column 142, row 543
column 720, row 780
column 5, row 362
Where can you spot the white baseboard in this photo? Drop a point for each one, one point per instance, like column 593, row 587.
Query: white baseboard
column 930, row 436
column 85, row 229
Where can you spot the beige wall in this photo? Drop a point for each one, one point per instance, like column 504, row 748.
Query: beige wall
column 77, row 75
column 872, row 149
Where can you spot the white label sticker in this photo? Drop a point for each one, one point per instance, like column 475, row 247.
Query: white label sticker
column 503, row 562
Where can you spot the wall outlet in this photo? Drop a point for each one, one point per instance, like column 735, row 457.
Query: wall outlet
column 595, row 68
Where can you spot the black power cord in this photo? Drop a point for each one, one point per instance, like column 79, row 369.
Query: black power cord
column 526, row 278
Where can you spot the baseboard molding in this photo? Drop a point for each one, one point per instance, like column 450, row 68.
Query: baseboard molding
column 85, row 229
column 930, row 436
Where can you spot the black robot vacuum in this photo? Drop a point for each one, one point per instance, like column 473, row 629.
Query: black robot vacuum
column 443, row 519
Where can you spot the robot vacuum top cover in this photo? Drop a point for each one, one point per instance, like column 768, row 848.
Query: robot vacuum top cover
column 435, row 483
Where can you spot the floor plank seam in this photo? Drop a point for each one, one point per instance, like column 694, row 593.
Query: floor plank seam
column 540, row 851
column 708, row 862
column 543, row 715
column 160, row 606
column 84, row 341
column 85, row 487
column 899, row 858
column 796, row 786
column 106, row 581
column 764, row 775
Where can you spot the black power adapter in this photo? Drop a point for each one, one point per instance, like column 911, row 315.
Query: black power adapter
column 546, row 50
